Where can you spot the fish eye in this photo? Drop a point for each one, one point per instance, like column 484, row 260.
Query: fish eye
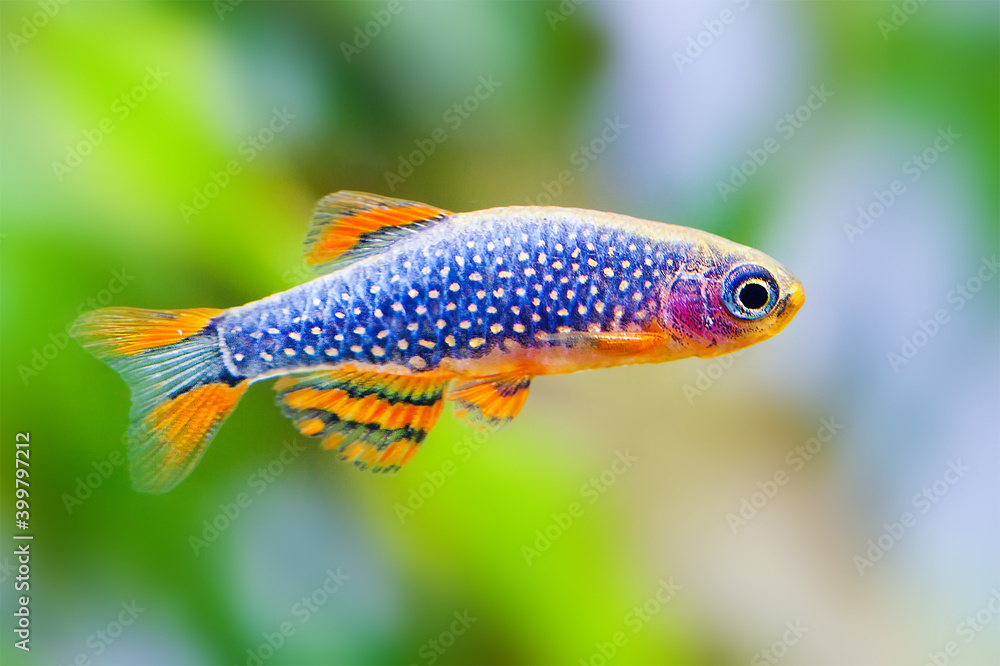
column 749, row 291
column 753, row 295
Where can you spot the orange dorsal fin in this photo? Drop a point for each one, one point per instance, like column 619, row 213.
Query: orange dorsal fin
column 348, row 226
column 375, row 419
column 490, row 403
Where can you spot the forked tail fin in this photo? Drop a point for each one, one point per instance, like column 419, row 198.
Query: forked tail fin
column 181, row 388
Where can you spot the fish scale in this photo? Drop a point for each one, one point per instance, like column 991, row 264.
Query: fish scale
column 550, row 269
column 416, row 305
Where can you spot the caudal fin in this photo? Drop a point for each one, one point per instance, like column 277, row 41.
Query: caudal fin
column 181, row 388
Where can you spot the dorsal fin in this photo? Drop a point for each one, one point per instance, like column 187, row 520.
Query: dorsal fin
column 347, row 226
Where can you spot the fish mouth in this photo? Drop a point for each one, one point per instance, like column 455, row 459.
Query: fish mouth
column 787, row 307
column 796, row 297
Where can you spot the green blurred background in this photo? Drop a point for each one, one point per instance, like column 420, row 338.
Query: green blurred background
column 168, row 154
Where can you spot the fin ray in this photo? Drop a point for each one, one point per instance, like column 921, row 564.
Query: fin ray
column 490, row 403
column 181, row 388
column 615, row 343
column 377, row 420
column 110, row 332
column 348, row 226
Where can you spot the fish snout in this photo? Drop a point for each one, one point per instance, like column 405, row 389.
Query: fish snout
column 796, row 295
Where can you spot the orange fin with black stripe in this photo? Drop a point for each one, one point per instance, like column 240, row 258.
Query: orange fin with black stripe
column 348, row 226
column 375, row 419
column 490, row 403
column 182, row 390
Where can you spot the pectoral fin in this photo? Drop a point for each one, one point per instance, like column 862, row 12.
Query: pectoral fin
column 612, row 343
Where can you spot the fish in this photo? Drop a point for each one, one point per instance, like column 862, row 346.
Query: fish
column 414, row 306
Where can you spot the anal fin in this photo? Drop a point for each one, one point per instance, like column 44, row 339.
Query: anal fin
column 490, row 403
column 375, row 419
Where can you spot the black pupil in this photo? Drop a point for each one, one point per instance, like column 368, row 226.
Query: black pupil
column 753, row 296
